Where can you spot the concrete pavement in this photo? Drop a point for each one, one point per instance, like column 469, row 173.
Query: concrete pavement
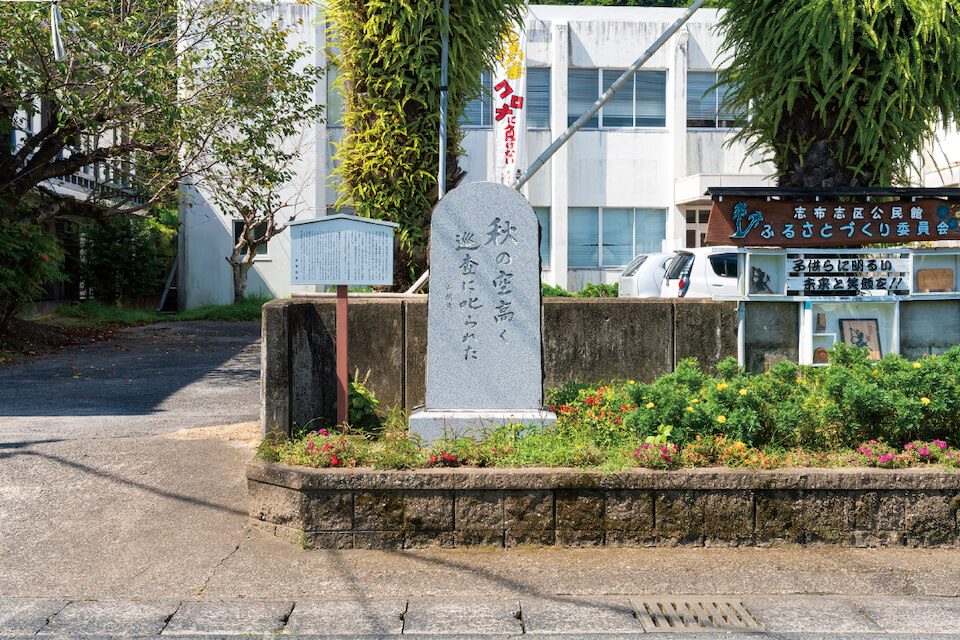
column 140, row 536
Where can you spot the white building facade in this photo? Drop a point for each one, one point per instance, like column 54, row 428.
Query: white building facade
column 631, row 181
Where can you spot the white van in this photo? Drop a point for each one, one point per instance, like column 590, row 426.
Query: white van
column 704, row 272
column 644, row 275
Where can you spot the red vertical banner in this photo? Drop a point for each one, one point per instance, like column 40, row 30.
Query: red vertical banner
column 510, row 108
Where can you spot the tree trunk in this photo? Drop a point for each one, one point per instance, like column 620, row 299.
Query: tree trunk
column 240, row 269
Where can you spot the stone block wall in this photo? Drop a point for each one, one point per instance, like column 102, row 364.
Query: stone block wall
column 363, row 509
column 585, row 339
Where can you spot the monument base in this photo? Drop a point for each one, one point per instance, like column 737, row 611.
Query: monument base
column 432, row 424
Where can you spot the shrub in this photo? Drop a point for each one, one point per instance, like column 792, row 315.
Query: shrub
column 31, row 259
column 120, row 259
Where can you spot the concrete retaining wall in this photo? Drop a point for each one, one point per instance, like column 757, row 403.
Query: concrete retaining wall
column 364, row 509
column 586, row 339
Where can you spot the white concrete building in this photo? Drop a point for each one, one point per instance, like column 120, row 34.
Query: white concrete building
column 631, row 181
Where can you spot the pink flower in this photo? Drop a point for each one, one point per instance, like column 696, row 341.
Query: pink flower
column 323, row 432
column 924, row 452
column 940, row 444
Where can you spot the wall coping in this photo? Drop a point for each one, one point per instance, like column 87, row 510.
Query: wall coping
column 701, row 479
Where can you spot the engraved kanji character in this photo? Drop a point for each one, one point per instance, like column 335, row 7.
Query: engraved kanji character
column 876, row 213
column 819, row 212
column 809, row 284
column 503, row 312
column 799, row 213
column 903, row 228
column 942, row 228
column 814, row 266
column 799, row 265
column 916, row 213
column 502, row 281
column 823, row 284
column 853, row 284
column 923, row 228
column 468, row 265
column 467, row 241
column 858, row 213
column 856, row 264
column 839, row 213
column 896, row 213
column 471, row 303
column 866, row 282
column 500, row 232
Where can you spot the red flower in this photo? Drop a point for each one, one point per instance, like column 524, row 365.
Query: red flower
column 433, row 459
column 334, row 461
column 448, row 457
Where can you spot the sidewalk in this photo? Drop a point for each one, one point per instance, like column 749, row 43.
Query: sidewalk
column 727, row 617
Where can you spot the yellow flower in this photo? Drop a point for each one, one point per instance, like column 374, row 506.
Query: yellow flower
column 925, row 400
column 631, row 382
column 916, row 365
column 874, row 372
column 743, row 392
column 649, row 405
column 721, row 386
column 695, row 401
column 721, row 419
column 689, row 408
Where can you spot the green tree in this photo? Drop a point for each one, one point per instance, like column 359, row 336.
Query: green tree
column 842, row 92
column 145, row 94
column 389, row 60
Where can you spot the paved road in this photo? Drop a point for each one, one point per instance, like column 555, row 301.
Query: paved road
column 106, row 528
column 151, row 379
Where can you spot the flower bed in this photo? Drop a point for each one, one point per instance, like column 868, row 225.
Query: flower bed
column 646, row 458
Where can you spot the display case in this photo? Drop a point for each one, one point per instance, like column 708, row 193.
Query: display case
column 852, row 296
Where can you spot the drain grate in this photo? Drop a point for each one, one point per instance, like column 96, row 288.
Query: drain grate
column 686, row 615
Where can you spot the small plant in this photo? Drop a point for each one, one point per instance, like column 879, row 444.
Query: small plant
column 657, row 455
column 663, row 433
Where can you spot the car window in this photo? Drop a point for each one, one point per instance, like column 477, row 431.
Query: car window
column 633, row 266
column 676, row 267
column 724, row 264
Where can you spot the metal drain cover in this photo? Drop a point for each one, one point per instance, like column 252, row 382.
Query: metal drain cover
column 693, row 615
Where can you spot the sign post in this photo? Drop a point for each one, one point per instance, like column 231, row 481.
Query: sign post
column 342, row 250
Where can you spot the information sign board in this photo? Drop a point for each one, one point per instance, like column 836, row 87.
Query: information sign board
column 341, row 250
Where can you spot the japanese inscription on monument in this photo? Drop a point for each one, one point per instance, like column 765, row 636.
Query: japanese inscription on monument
column 484, row 319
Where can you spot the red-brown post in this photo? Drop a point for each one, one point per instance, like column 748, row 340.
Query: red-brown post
column 342, row 354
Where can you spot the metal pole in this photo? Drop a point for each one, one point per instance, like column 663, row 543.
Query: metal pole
column 582, row 120
column 442, row 171
column 342, row 382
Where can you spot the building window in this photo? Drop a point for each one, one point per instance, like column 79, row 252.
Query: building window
column 641, row 102
column 696, row 226
column 538, row 98
column 543, row 217
column 612, row 236
column 258, row 232
column 334, row 111
column 704, row 102
column 478, row 111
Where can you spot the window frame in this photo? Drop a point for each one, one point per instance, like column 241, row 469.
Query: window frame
column 723, row 124
column 600, row 244
column 263, row 252
column 600, row 126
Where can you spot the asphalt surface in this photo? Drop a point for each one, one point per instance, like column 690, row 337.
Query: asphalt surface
column 151, row 379
column 107, row 530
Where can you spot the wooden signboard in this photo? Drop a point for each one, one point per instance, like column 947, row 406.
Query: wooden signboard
column 758, row 222
column 929, row 280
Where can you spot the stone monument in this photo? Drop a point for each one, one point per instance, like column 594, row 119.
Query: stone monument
column 484, row 353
